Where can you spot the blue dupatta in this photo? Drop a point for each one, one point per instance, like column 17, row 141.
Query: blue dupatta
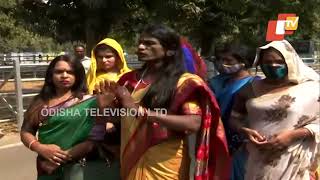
column 225, row 92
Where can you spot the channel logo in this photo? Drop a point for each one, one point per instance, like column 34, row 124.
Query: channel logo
column 285, row 25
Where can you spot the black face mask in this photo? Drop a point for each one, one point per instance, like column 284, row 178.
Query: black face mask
column 274, row 71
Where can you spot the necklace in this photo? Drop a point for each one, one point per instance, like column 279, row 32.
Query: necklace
column 140, row 81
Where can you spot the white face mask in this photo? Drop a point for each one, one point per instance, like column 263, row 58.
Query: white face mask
column 230, row 69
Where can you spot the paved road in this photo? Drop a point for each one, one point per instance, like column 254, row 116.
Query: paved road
column 17, row 163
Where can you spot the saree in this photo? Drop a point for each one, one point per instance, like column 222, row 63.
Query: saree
column 151, row 151
column 66, row 125
column 281, row 111
column 225, row 91
column 289, row 109
column 94, row 77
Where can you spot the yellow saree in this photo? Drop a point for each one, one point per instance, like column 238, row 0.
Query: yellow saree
column 151, row 151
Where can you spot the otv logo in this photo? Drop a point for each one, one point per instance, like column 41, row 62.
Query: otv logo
column 285, row 25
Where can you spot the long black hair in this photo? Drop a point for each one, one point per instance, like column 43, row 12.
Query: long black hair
column 79, row 88
column 172, row 67
column 48, row 90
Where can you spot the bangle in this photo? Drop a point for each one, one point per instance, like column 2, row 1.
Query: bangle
column 32, row 142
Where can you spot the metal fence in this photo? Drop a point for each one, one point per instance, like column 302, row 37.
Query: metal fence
column 19, row 70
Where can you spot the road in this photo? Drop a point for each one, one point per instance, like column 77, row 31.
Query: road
column 17, row 163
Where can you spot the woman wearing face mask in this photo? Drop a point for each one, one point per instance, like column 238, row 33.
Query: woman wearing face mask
column 232, row 62
column 283, row 116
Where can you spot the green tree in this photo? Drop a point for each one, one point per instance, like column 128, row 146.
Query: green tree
column 209, row 23
column 68, row 20
column 205, row 22
column 15, row 36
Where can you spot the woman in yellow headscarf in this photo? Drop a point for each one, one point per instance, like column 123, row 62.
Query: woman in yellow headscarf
column 107, row 62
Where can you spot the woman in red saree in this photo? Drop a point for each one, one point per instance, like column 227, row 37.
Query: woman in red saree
column 186, row 142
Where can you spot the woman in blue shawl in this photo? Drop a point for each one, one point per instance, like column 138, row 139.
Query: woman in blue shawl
column 232, row 62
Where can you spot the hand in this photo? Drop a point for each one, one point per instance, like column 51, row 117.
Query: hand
column 47, row 166
column 80, row 150
column 106, row 95
column 52, row 153
column 110, row 127
column 124, row 96
column 279, row 141
column 253, row 135
column 104, row 86
column 110, row 91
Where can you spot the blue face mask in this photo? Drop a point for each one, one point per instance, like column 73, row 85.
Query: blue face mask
column 274, row 71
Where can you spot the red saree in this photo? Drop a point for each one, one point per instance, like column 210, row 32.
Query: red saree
column 212, row 160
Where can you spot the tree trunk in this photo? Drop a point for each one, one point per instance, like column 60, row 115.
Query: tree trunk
column 206, row 44
column 90, row 37
column 95, row 32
